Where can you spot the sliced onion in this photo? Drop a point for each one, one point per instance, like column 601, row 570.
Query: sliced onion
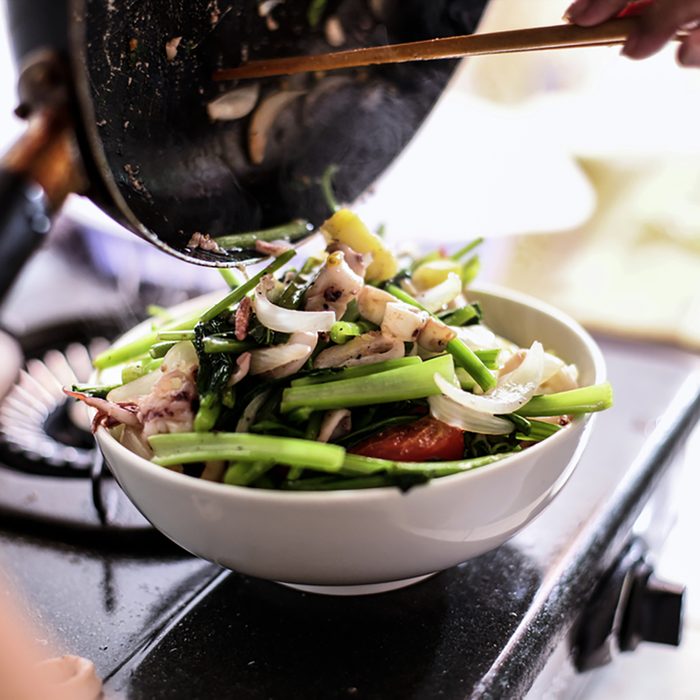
column 263, row 119
column 234, row 104
column 335, row 424
column 477, row 337
column 441, row 294
column 514, row 390
column 242, row 369
column 530, row 370
column 270, row 358
column 552, row 364
column 133, row 440
column 289, row 356
column 181, row 356
column 287, row 320
column 134, row 390
column 564, row 379
column 248, row 417
column 447, row 411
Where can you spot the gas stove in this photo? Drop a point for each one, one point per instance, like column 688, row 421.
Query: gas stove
column 532, row 618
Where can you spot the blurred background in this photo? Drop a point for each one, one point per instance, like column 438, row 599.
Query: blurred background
column 581, row 169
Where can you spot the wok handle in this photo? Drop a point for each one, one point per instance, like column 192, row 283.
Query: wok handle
column 24, row 222
column 36, row 175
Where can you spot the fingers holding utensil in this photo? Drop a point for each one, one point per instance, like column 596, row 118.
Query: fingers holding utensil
column 659, row 22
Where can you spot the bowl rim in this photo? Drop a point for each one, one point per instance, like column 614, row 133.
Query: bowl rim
column 384, row 492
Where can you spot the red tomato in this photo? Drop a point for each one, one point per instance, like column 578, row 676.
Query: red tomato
column 423, row 440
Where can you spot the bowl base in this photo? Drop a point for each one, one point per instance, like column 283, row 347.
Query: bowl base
column 361, row 589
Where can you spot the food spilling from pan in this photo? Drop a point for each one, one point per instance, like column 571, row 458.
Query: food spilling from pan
column 353, row 369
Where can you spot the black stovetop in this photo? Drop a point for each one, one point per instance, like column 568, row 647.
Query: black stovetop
column 161, row 624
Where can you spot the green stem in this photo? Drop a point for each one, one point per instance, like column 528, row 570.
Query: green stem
column 466, row 358
column 458, row 255
column 236, row 295
column 208, row 413
column 293, row 295
column 539, row 430
column 461, row 316
column 133, row 372
column 315, row 12
column 403, row 384
column 160, row 350
column 355, row 372
column 213, row 344
column 489, row 357
column 246, row 473
column 588, row 399
column 182, row 448
column 123, row 353
column 327, row 188
column 330, row 484
column 176, row 335
column 342, row 331
column 463, row 355
column 229, row 277
column 357, row 465
column 294, row 230
column 97, row 391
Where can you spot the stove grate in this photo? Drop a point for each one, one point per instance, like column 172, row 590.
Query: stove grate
column 41, row 431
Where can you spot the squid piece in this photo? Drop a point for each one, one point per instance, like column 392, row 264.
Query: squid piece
column 366, row 349
column 335, row 287
column 371, row 303
column 168, row 408
column 435, row 335
column 357, row 262
column 108, row 413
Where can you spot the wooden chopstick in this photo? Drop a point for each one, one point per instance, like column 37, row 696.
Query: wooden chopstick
column 561, row 36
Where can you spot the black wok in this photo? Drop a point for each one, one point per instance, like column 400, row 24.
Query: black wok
column 116, row 93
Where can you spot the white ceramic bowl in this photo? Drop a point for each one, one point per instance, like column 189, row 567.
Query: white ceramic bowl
column 371, row 540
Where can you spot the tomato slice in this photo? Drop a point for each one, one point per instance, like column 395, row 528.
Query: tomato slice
column 421, row 441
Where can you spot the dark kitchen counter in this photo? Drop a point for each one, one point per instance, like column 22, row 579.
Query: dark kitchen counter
column 168, row 626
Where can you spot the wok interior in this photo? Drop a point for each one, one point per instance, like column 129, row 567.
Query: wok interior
column 145, row 80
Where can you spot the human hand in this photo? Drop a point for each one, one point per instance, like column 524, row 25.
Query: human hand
column 659, row 22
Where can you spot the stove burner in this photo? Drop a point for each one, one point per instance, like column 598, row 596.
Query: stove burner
column 52, row 477
column 43, row 432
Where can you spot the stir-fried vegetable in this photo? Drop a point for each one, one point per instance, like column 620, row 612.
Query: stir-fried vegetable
column 345, row 373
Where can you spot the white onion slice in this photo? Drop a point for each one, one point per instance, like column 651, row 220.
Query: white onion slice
column 477, row 337
column 287, row 320
column 335, row 423
column 552, row 364
column 234, row 104
column 530, row 370
column 447, row 411
column 514, row 390
column 181, row 356
column 263, row 119
column 136, row 389
column 283, row 360
column 267, row 359
column 441, row 294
